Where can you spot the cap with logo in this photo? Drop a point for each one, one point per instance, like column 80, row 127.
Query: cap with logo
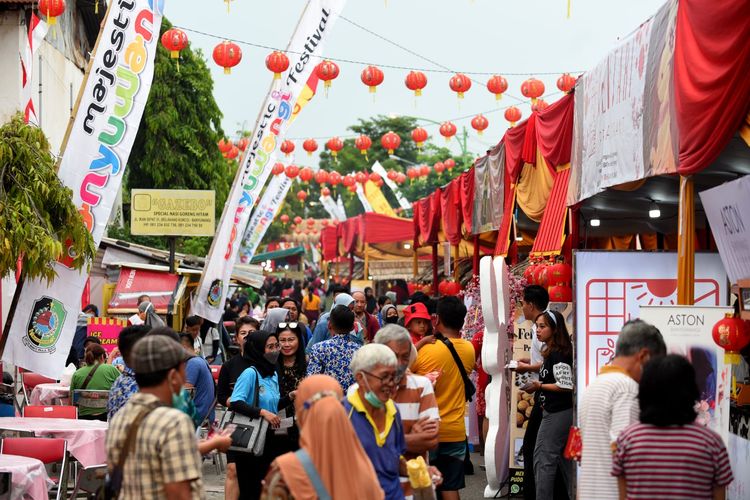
column 414, row 311
column 155, row 353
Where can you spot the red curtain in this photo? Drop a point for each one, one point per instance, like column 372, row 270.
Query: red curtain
column 467, row 198
column 379, row 228
column 329, row 243
column 711, row 82
column 503, row 234
column 528, row 153
column 554, row 131
column 450, row 207
column 348, row 231
column 514, row 139
column 416, row 210
column 549, row 238
column 429, row 217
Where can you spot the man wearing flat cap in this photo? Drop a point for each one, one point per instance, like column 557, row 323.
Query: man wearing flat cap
column 161, row 450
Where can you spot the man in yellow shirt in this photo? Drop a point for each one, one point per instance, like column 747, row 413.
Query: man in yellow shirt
column 449, row 392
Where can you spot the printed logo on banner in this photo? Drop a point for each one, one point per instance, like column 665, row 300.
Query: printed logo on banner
column 215, row 292
column 45, row 324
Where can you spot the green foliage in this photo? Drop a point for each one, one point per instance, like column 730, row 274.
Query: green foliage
column 176, row 143
column 37, row 215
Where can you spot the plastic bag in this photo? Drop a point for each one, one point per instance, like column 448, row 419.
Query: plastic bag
column 67, row 374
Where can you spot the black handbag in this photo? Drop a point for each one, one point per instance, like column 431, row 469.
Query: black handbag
column 469, row 388
column 249, row 435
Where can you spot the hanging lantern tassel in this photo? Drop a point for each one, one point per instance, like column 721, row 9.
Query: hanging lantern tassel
column 569, row 9
column 96, row 7
column 227, row 2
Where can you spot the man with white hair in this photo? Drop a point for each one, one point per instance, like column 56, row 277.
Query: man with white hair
column 374, row 415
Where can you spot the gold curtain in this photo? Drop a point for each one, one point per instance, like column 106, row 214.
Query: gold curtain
column 686, row 243
column 534, row 187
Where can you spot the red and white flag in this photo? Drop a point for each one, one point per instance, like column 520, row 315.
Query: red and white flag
column 34, row 37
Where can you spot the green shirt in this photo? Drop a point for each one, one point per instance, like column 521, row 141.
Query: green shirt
column 102, row 380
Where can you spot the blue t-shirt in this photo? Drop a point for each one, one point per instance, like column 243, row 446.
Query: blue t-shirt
column 244, row 390
column 199, row 375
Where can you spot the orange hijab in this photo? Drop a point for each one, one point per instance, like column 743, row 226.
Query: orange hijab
column 328, row 437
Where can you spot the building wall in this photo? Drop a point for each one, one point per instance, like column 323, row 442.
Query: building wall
column 11, row 37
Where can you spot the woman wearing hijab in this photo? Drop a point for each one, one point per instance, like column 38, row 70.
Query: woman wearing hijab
column 147, row 313
column 273, row 318
column 321, row 329
column 389, row 313
column 262, row 352
column 328, row 444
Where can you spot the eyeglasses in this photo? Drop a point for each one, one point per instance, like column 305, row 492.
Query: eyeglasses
column 291, row 325
column 387, row 379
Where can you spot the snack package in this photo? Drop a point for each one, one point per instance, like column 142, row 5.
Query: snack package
column 419, row 478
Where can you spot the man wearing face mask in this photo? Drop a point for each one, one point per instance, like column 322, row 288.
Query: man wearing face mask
column 164, row 462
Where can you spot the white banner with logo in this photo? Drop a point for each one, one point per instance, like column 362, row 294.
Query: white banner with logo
column 727, row 206
column 304, row 50
column 92, row 166
column 402, row 201
column 263, row 215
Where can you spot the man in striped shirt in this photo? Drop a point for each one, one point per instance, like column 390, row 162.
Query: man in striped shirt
column 610, row 404
column 415, row 398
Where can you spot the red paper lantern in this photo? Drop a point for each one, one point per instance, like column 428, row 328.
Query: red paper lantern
column 284, row 218
column 412, row 288
column 731, row 334
column 51, row 9
column 401, row 178
column 390, row 141
column 424, row 170
column 310, row 222
column 298, row 220
column 372, row 76
column 446, row 287
column 306, row 174
column 349, row 180
column 413, row 173
column 560, row 274
column 449, row 163
column 277, row 62
column 513, row 114
column 287, row 147
column 325, row 192
column 459, row 84
column 360, row 177
column 374, row 177
column 528, row 274
column 227, row 55
column 379, row 183
column 539, row 105
column 392, row 175
column 232, row 153
column 439, row 167
column 174, row 40
column 566, row 83
column 327, row 71
column 447, row 130
column 243, row 143
column 292, row 171
column 225, row 146
column 310, row 146
column 352, row 188
column 277, row 169
column 540, row 275
column 497, row 85
column 419, row 135
column 334, row 178
column 363, row 143
column 560, row 293
column 335, row 145
column 416, row 81
column 532, row 89
column 321, row 176
column 301, row 195
column 479, row 123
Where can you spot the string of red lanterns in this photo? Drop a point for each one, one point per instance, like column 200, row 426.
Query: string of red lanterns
column 372, row 76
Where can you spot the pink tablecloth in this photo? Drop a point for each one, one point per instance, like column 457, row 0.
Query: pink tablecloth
column 50, row 394
column 85, row 437
column 29, row 478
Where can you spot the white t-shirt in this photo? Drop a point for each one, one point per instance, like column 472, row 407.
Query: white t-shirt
column 536, row 352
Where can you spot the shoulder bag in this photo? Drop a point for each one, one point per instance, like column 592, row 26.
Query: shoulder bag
column 469, row 388
column 249, row 435
column 312, row 474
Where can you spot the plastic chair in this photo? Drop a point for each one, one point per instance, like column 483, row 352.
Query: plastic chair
column 40, row 411
column 47, row 450
column 30, row 380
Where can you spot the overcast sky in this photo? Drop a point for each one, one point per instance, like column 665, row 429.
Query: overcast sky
column 507, row 37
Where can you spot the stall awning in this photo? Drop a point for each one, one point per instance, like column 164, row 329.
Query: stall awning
column 549, row 239
column 164, row 289
column 277, row 254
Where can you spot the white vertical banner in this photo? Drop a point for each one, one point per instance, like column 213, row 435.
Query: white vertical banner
column 92, row 166
column 263, row 216
column 34, row 37
column 402, row 201
column 340, row 210
column 305, row 49
column 330, row 207
column 363, row 199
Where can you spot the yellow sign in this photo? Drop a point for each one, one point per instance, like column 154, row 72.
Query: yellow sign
column 172, row 212
column 377, row 200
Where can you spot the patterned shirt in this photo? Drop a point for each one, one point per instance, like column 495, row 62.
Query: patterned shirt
column 332, row 357
column 123, row 388
column 166, row 450
column 678, row 461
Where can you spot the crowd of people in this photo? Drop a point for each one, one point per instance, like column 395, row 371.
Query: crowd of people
column 353, row 390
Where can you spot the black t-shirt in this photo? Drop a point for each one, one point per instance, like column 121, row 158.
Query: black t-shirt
column 230, row 372
column 557, row 369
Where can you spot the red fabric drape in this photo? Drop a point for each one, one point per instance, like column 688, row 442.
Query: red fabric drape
column 549, row 238
column 554, row 131
column 329, row 243
column 503, row 234
column 348, row 231
column 528, row 153
column 379, row 228
column 450, row 208
column 429, row 217
column 711, row 83
column 467, row 198
column 416, row 210
column 514, row 139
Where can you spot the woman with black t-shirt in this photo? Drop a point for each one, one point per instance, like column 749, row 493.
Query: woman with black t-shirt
column 555, row 396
